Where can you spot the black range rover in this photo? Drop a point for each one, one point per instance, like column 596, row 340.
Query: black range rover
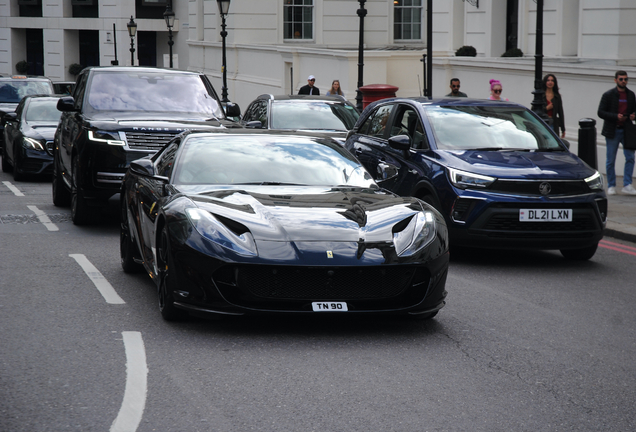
column 120, row 114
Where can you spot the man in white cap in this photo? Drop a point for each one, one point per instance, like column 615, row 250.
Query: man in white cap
column 310, row 88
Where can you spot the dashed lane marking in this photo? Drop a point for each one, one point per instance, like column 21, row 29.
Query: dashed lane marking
column 103, row 286
column 13, row 189
column 42, row 217
column 132, row 407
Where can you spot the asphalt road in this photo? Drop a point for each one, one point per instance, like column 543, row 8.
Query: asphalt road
column 527, row 342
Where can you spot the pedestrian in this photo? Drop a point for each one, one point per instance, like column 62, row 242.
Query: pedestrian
column 310, row 88
column 617, row 107
column 553, row 103
column 454, row 86
column 495, row 90
column 335, row 89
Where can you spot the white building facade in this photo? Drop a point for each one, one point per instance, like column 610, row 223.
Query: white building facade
column 273, row 45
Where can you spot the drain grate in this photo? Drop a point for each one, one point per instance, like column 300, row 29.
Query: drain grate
column 27, row 219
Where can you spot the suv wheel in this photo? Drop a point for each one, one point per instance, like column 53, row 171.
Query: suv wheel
column 6, row 166
column 61, row 195
column 80, row 212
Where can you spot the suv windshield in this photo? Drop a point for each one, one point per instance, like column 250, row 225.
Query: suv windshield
column 152, row 93
column 313, row 116
column 489, row 128
column 13, row 91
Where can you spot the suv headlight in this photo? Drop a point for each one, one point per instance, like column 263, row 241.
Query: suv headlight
column 418, row 234
column 32, row 144
column 595, row 182
column 465, row 180
column 210, row 228
column 110, row 138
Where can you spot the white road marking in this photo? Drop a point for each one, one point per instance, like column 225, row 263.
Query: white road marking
column 132, row 407
column 42, row 217
column 105, row 288
column 13, row 189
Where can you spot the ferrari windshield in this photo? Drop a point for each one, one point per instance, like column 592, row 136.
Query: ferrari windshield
column 267, row 160
column 315, row 115
column 489, row 128
column 152, row 92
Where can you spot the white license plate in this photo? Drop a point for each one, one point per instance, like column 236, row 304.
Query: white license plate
column 329, row 307
column 545, row 215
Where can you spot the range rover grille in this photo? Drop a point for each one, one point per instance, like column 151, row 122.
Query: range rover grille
column 148, row 140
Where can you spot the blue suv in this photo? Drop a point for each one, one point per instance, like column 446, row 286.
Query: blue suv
column 499, row 175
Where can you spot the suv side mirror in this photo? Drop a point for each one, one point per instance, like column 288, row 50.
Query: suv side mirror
column 66, row 104
column 143, row 167
column 232, row 110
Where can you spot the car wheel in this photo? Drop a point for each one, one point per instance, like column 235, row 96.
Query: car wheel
column 127, row 247
column 6, row 166
column 61, row 195
column 17, row 175
column 80, row 212
column 582, row 254
column 168, row 310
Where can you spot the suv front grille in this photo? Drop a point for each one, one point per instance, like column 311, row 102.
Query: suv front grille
column 532, row 187
column 148, row 140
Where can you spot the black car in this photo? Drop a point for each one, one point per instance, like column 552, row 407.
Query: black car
column 500, row 176
column 28, row 136
column 236, row 223
column 117, row 115
column 14, row 88
column 329, row 116
column 64, row 87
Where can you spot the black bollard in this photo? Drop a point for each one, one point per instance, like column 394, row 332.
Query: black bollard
column 587, row 142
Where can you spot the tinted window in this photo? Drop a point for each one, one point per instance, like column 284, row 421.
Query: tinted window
column 313, row 116
column 375, row 125
column 151, row 92
column 255, row 159
column 43, row 110
column 14, row 91
column 488, row 127
column 166, row 160
column 407, row 122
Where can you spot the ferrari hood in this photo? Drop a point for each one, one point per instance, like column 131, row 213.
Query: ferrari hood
column 292, row 214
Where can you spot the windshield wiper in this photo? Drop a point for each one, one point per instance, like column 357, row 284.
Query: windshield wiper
column 500, row 149
column 271, row 183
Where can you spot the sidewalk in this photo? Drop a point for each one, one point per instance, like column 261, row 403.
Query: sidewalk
column 621, row 215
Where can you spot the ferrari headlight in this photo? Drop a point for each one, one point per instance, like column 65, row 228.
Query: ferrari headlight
column 32, row 144
column 210, row 228
column 465, row 180
column 110, row 138
column 595, row 182
column 418, row 234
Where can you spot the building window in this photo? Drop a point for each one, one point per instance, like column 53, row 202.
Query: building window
column 298, row 21
column 408, row 19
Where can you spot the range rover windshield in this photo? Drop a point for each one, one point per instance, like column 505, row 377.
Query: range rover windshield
column 153, row 92
column 489, row 128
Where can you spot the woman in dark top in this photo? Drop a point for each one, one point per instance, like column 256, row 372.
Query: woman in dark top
column 554, row 104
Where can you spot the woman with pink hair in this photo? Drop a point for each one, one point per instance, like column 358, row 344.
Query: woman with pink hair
column 495, row 90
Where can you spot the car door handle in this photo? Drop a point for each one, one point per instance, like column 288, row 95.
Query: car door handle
column 358, row 151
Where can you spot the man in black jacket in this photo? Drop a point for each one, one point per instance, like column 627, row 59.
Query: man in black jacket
column 310, row 88
column 618, row 107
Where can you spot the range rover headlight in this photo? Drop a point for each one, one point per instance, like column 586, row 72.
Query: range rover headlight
column 595, row 182
column 465, row 180
column 212, row 229
column 32, row 144
column 110, row 138
column 418, row 234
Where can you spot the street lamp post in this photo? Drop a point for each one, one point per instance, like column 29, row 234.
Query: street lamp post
column 538, row 105
column 224, row 7
column 362, row 12
column 168, row 15
column 132, row 31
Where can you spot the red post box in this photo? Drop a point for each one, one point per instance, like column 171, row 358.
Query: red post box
column 374, row 92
